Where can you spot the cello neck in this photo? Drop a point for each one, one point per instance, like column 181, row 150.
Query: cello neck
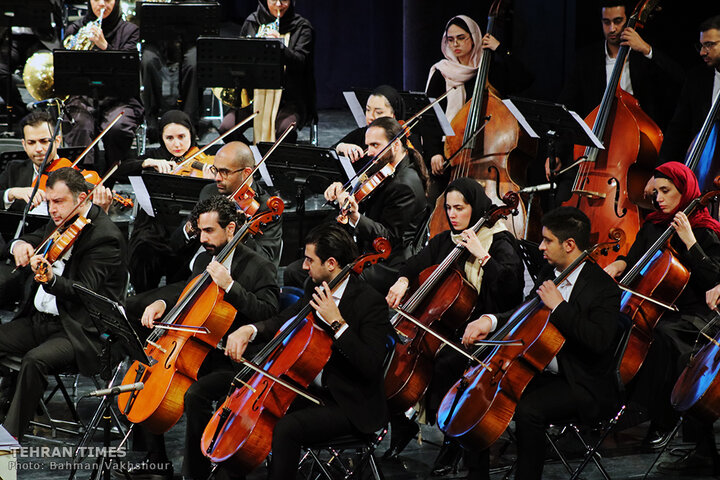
column 698, row 146
column 479, row 89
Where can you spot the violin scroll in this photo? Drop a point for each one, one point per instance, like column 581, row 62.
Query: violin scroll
column 276, row 206
column 511, row 200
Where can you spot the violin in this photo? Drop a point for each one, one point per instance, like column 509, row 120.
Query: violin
column 58, row 245
column 480, row 406
column 609, row 184
column 178, row 346
column 443, row 302
column 192, row 164
column 241, row 429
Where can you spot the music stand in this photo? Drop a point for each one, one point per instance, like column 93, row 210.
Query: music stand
column 21, row 13
column 294, row 169
column 433, row 121
column 173, row 197
column 240, row 62
column 182, row 21
column 64, row 152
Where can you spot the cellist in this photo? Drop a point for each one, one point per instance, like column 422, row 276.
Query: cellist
column 495, row 270
column 250, row 286
column 579, row 382
column 352, row 380
column 698, row 249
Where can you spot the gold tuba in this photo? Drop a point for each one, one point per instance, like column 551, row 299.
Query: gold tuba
column 38, row 73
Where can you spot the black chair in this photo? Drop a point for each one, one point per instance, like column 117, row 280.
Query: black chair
column 603, row 425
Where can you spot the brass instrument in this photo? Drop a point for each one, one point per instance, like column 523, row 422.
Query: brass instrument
column 38, row 73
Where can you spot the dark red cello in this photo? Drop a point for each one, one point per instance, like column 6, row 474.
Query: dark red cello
column 240, row 431
column 610, row 183
column 443, row 303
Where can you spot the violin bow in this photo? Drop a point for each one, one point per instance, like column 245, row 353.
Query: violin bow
column 220, row 137
column 97, row 139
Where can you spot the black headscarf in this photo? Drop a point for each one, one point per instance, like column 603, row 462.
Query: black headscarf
column 393, row 98
column 181, row 118
column 287, row 21
column 475, row 196
column 109, row 23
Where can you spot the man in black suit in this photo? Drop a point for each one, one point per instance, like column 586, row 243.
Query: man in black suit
column 394, row 210
column 357, row 318
column 579, row 382
column 700, row 88
column 52, row 330
column 233, row 163
column 250, row 287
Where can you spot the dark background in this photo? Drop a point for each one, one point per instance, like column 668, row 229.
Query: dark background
column 365, row 43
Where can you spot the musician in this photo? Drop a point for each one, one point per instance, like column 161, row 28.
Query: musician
column 580, row 381
column 394, row 210
column 53, row 331
column 232, row 164
column 357, row 318
column 298, row 101
column 700, row 88
column 462, row 46
column 115, row 34
column 697, row 247
column 250, row 286
column 492, row 265
column 151, row 255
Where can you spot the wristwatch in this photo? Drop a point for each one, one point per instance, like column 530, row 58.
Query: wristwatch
column 336, row 326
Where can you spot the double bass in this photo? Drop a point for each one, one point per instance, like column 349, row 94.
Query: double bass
column 702, row 157
column 480, row 406
column 609, row 184
column 240, row 431
column 497, row 156
column 178, row 347
column 443, row 302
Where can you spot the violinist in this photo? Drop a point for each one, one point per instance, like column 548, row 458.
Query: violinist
column 298, row 100
column 394, row 210
column 494, row 268
column 114, row 34
column 701, row 87
column 231, row 166
column 52, row 330
column 352, row 380
column 580, row 381
column 249, row 281
column 697, row 247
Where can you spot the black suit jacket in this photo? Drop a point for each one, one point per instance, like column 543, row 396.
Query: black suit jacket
column 98, row 262
column 394, row 211
column 254, row 293
column 17, row 173
column 589, row 323
column 354, row 373
column 692, row 107
column 655, row 82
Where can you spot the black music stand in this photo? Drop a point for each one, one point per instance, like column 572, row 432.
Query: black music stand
column 182, row 21
column 21, row 13
column 295, row 169
column 240, row 62
column 173, row 197
column 109, row 318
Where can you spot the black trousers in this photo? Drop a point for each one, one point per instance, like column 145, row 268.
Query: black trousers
column 46, row 349
column 151, row 66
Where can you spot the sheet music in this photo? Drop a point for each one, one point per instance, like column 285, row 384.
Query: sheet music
column 264, row 172
column 41, row 209
column 142, row 196
column 356, row 109
column 588, row 130
column 520, row 118
column 442, row 118
column 348, row 168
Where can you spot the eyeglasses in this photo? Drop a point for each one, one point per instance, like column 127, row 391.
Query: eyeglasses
column 706, row 45
column 223, row 172
column 462, row 38
column 281, row 2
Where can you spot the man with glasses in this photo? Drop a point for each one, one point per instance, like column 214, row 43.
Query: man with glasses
column 701, row 87
column 233, row 164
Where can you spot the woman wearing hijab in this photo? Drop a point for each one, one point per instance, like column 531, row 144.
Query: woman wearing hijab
column 491, row 264
column 151, row 256
column 298, row 101
column 115, row 34
column 697, row 247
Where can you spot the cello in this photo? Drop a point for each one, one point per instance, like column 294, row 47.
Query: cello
column 609, row 184
column 702, row 157
column 445, row 301
column 241, row 429
column 480, row 406
column 492, row 158
column 178, row 347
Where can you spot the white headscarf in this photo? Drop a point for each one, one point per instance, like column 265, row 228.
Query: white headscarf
column 454, row 72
